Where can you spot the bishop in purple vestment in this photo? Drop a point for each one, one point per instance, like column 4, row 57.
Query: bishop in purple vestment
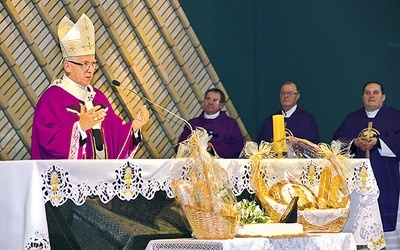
column 74, row 120
column 374, row 132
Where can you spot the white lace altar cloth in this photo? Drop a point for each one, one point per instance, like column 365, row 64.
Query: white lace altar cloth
column 336, row 241
column 22, row 211
column 60, row 180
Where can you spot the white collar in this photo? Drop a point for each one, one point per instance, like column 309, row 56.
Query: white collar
column 213, row 116
column 290, row 112
column 371, row 114
column 85, row 94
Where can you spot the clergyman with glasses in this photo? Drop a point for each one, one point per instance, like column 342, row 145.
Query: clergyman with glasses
column 226, row 138
column 298, row 122
column 73, row 119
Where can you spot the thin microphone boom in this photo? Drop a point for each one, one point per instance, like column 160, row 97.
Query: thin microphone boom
column 118, row 84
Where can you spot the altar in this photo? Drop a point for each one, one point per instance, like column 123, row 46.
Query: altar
column 31, row 184
column 331, row 241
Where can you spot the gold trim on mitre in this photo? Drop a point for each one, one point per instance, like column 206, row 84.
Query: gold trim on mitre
column 76, row 39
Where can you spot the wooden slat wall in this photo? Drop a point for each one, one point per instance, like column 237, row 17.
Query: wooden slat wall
column 149, row 46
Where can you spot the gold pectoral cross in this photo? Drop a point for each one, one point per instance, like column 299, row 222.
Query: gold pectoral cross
column 369, row 133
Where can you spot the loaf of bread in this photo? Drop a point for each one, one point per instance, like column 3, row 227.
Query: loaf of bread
column 325, row 183
column 332, row 192
column 183, row 192
column 203, row 196
column 284, row 191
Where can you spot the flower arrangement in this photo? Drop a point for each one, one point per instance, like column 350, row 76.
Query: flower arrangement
column 251, row 212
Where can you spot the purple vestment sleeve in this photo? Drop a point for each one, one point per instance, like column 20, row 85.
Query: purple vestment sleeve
column 54, row 136
column 52, row 126
column 227, row 138
column 392, row 140
column 300, row 124
column 386, row 169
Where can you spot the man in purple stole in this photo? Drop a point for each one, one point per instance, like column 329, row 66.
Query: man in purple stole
column 298, row 122
column 74, row 120
column 226, row 138
column 372, row 132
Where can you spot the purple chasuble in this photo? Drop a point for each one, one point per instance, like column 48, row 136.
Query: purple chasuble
column 56, row 136
column 300, row 124
column 385, row 125
column 227, row 139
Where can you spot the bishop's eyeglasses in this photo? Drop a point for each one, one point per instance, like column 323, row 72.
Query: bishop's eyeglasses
column 85, row 65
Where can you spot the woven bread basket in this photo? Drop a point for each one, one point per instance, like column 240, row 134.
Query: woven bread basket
column 208, row 225
column 326, row 200
column 313, row 220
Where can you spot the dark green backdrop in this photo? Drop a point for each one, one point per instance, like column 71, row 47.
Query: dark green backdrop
column 329, row 48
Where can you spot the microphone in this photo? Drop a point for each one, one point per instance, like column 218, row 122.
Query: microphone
column 118, row 84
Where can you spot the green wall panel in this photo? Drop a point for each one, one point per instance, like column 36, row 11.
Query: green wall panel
column 329, row 48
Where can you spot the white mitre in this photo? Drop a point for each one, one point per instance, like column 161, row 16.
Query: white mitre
column 76, row 39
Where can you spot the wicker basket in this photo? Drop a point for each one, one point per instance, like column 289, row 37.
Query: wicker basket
column 313, row 220
column 324, row 220
column 325, row 205
column 207, row 225
column 336, row 226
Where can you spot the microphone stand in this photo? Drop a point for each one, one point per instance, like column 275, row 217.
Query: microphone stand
column 118, row 84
